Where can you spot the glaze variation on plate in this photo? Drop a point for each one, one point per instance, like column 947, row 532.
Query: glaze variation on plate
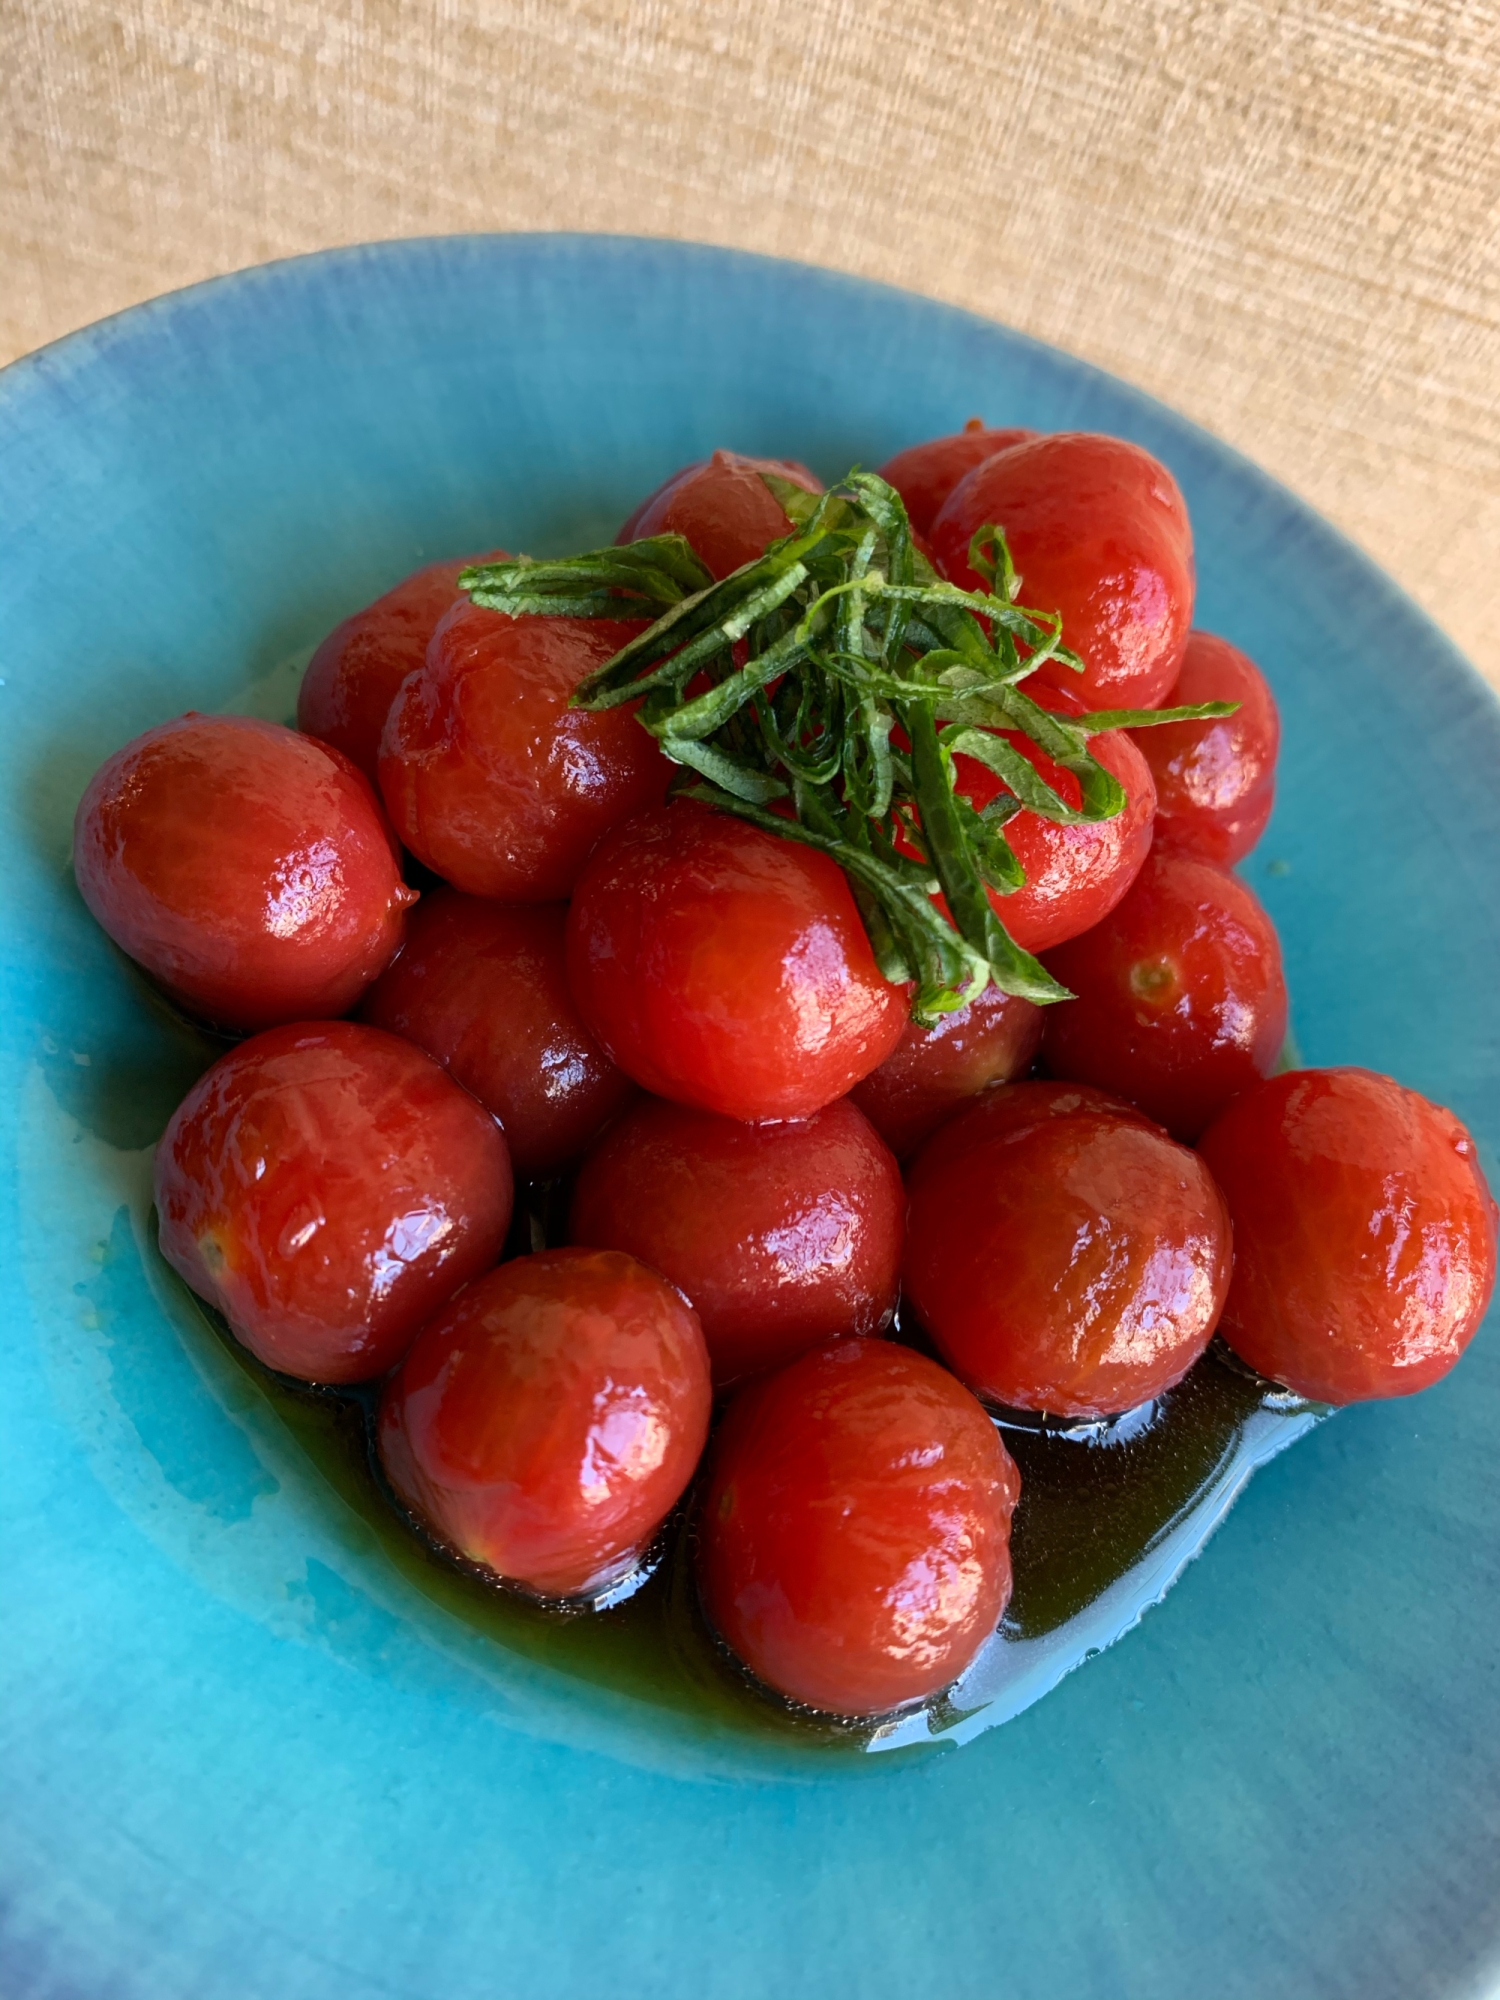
column 253, row 1750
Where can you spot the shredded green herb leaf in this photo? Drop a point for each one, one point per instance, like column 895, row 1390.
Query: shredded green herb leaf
column 837, row 677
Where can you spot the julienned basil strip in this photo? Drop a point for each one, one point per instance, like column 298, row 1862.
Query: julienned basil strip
column 660, row 570
column 838, row 676
column 1146, row 718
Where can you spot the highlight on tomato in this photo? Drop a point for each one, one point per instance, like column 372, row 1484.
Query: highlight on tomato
column 327, row 1186
column 724, row 967
column 546, row 1422
column 1098, row 531
column 781, row 1236
column 1364, row 1233
column 247, row 869
column 854, row 1535
column 1064, row 1253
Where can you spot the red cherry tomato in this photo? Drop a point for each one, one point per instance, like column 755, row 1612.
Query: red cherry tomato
column 352, row 679
column 482, row 987
column 1075, row 875
column 546, row 1422
column 1215, row 781
column 247, row 868
column 1364, row 1233
column 854, row 1538
column 491, row 778
column 722, row 507
column 327, row 1188
column 933, row 1072
column 1064, row 1254
column 781, row 1236
column 1098, row 531
column 925, row 474
column 1180, row 1000
column 726, row 967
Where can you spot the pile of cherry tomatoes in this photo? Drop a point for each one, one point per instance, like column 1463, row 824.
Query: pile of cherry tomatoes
column 677, row 1020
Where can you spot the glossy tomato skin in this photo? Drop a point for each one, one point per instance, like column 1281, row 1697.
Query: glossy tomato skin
column 1063, row 1252
column 780, row 1236
column 1097, row 530
column 1215, row 781
column 482, row 987
column 490, row 777
column 933, row 1072
column 854, row 1536
column 547, row 1421
column 248, row 869
column 1364, row 1233
column 327, row 1187
column 727, row 968
column 722, row 507
column 925, row 474
column 353, row 677
column 1180, row 1001
column 1075, row 875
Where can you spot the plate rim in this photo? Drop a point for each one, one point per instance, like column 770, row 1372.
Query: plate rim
column 79, row 347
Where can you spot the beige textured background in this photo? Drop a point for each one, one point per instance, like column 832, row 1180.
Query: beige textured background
column 1283, row 218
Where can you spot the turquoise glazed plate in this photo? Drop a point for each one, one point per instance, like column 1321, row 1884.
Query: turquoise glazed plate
column 257, row 1750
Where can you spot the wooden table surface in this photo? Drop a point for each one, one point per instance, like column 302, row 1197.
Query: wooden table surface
column 1282, row 218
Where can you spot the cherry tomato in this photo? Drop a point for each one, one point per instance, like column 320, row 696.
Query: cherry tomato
column 546, row 1422
column 1098, row 531
column 854, row 1538
column 482, row 987
column 1075, row 875
column 726, row 967
column 491, row 778
column 722, row 507
column 1364, row 1233
column 248, row 869
column 925, row 474
column 933, row 1072
column 1215, row 781
column 352, row 679
column 1064, row 1254
column 782, row 1236
column 327, row 1187
column 1180, row 1000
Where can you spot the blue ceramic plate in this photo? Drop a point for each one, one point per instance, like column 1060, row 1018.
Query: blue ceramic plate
column 252, row 1753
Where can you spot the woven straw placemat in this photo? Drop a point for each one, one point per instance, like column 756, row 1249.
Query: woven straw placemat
column 1282, row 218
